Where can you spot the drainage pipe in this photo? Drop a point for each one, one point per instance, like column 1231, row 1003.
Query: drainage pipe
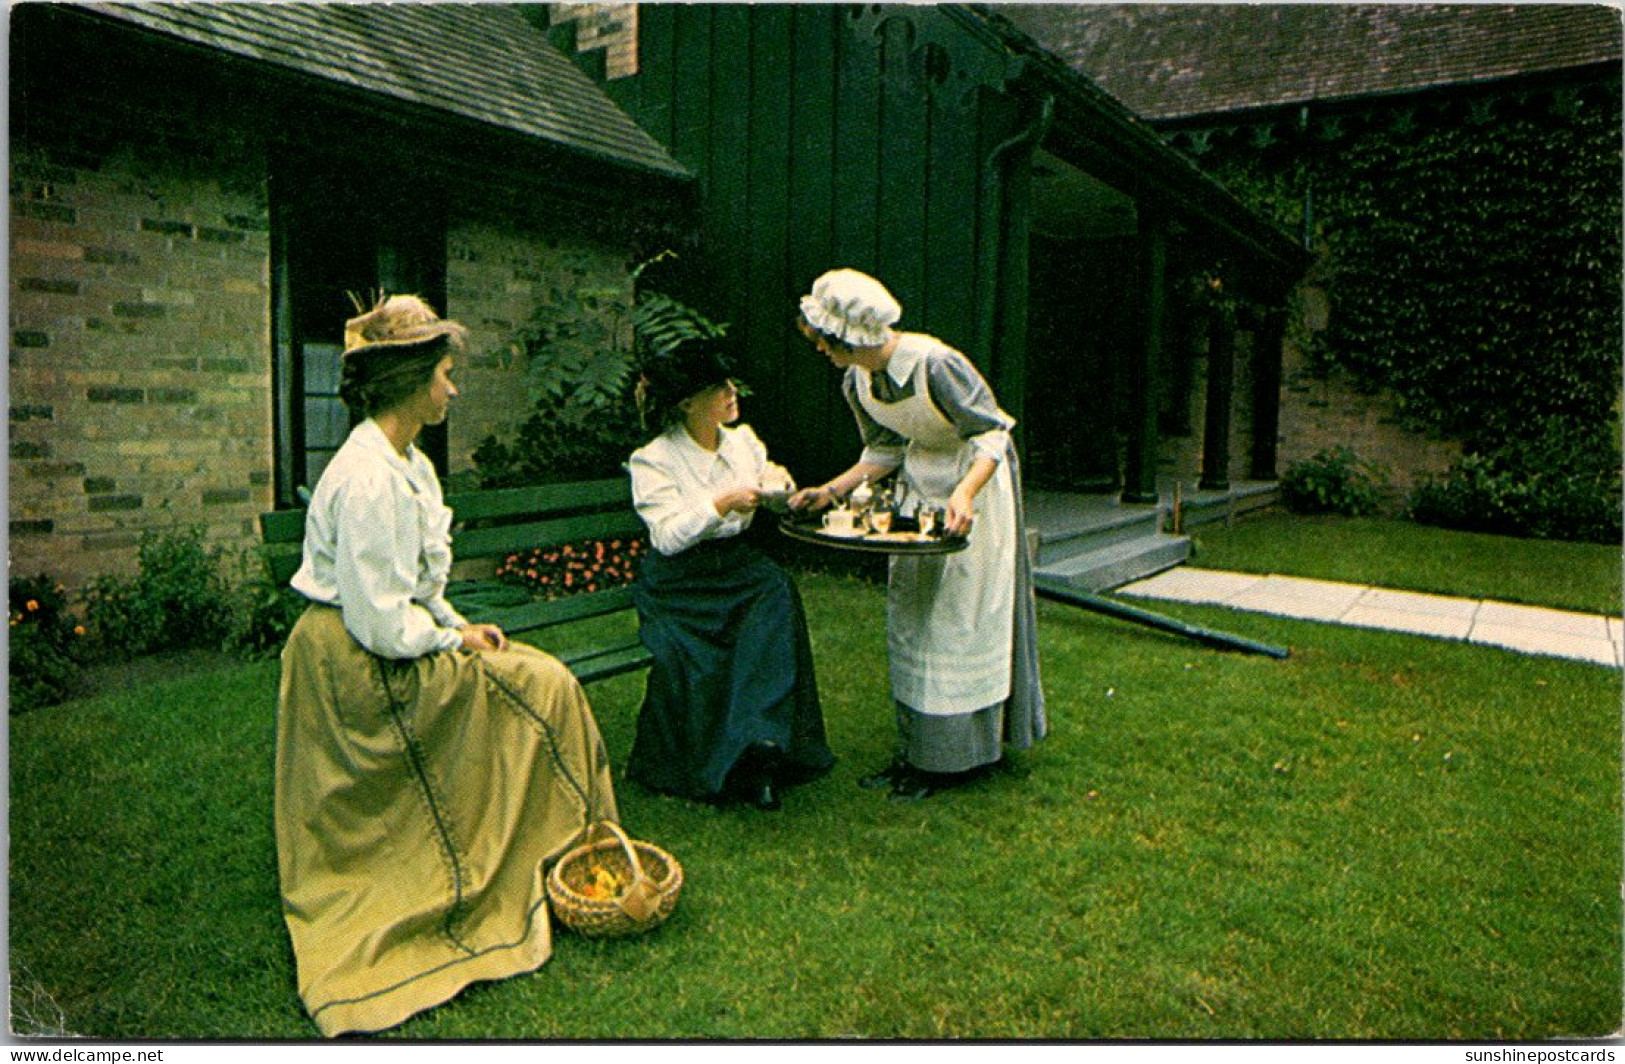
column 1052, row 589
column 993, row 254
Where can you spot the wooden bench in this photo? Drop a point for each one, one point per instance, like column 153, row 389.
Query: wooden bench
column 589, row 630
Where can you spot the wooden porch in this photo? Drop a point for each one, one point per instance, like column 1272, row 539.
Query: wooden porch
column 1097, row 542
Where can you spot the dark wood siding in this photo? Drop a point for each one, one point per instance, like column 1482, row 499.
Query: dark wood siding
column 828, row 136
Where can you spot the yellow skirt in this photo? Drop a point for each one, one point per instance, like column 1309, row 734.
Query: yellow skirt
column 418, row 804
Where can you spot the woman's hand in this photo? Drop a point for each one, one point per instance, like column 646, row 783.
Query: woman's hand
column 483, row 637
column 813, row 498
column 739, row 500
column 961, row 512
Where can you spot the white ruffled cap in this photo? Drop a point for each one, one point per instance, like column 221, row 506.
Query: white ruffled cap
column 852, row 307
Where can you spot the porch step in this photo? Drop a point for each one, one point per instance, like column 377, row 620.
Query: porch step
column 1119, row 563
column 1060, row 540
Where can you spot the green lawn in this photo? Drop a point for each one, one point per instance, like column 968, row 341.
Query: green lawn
column 1402, row 554
column 1381, row 837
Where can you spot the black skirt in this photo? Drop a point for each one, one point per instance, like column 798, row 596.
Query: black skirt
column 732, row 667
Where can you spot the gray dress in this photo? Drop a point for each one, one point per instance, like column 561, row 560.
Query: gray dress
column 961, row 628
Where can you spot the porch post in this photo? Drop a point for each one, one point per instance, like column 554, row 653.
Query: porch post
column 1221, row 387
column 1140, row 459
column 1267, row 391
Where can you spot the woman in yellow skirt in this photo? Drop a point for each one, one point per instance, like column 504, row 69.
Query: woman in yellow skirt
column 427, row 769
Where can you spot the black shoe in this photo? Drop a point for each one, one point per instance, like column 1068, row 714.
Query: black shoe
column 918, row 784
column 888, row 776
column 913, row 787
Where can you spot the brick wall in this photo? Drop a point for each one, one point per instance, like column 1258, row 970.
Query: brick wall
column 1316, row 414
column 141, row 391
column 140, row 394
column 500, row 269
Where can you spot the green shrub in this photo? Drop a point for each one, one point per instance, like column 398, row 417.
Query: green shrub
column 178, row 598
column 263, row 610
column 562, row 440
column 582, row 349
column 1334, row 481
column 1563, row 483
column 46, row 644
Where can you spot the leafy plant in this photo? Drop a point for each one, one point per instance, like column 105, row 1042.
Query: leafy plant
column 263, row 611
column 1334, row 481
column 583, row 352
column 1561, row 483
column 46, row 643
column 178, row 598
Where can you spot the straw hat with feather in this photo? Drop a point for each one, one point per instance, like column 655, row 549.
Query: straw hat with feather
column 397, row 322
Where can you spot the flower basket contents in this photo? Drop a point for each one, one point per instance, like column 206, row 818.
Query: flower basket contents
column 613, row 886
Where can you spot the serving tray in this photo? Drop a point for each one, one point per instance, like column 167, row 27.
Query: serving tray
column 897, row 541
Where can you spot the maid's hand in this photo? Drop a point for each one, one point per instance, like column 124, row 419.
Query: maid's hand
column 961, row 512
column 812, row 498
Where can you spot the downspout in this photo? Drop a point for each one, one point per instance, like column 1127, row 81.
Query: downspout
column 1307, row 238
column 992, row 255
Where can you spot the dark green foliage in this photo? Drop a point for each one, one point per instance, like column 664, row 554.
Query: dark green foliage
column 46, row 644
column 562, row 440
column 178, row 598
column 1334, row 481
column 661, row 323
column 1471, row 257
column 264, row 612
column 1562, row 484
column 583, row 353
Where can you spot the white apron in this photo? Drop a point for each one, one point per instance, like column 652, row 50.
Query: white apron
column 950, row 618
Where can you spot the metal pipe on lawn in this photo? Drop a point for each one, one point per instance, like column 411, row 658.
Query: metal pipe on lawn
column 1050, row 589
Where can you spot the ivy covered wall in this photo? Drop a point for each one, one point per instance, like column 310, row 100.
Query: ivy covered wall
column 1462, row 322
column 1470, row 250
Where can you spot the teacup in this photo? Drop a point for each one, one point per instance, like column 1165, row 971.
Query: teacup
column 840, row 521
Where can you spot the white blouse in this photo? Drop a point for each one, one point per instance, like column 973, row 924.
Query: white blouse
column 378, row 546
column 675, row 482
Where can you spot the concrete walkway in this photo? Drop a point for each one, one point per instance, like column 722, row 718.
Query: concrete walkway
column 1526, row 629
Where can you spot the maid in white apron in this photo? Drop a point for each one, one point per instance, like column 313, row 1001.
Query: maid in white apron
column 961, row 628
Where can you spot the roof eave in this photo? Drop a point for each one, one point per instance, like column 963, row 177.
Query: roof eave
column 1122, row 138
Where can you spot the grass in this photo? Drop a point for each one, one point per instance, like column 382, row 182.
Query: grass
column 1382, row 837
column 1389, row 552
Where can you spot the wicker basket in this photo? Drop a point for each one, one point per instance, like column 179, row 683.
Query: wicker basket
column 649, row 876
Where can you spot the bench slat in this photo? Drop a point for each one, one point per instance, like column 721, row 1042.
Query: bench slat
column 540, row 501
column 602, row 664
column 510, row 539
column 288, row 526
column 533, row 615
column 283, row 526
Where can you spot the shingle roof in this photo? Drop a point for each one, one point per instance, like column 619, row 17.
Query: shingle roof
column 1176, row 60
column 484, row 62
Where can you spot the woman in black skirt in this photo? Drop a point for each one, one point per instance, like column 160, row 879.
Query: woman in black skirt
column 731, row 711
